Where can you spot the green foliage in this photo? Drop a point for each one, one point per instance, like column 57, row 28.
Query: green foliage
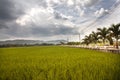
column 104, row 34
column 95, row 37
column 115, row 29
column 88, row 39
column 73, row 43
column 57, row 63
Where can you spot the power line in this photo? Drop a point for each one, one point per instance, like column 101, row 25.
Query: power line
column 115, row 5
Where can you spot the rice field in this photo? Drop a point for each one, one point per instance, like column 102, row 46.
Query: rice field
column 57, row 63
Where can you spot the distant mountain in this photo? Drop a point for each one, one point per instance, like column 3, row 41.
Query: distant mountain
column 31, row 42
column 56, row 41
column 21, row 42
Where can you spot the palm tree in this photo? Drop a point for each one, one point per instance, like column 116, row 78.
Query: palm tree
column 87, row 40
column 115, row 29
column 103, row 33
column 95, row 37
column 109, row 38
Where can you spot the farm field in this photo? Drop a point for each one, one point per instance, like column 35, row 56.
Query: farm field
column 57, row 63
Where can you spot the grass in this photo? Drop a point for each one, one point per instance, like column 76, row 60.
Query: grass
column 57, row 63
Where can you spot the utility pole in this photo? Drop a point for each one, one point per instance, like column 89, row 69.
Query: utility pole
column 79, row 37
column 67, row 39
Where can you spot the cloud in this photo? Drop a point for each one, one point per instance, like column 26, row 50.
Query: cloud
column 70, row 2
column 89, row 2
column 3, row 26
column 45, row 19
column 8, row 10
column 53, row 30
column 101, row 12
column 58, row 15
column 4, row 10
column 38, row 31
column 40, row 22
column 86, row 3
column 36, row 15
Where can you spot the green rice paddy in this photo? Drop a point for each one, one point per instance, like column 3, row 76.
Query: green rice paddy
column 57, row 63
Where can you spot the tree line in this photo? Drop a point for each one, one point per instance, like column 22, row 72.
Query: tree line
column 110, row 34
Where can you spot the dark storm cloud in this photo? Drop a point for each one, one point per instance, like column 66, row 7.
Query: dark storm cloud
column 6, row 7
column 51, row 30
column 39, row 31
column 15, row 31
column 3, row 26
column 8, row 10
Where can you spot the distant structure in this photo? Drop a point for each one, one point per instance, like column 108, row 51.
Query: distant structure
column 67, row 39
column 79, row 37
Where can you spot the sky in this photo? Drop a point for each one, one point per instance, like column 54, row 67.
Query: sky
column 55, row 19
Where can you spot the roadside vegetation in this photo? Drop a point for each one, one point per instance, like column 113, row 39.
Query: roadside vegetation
column 109, row 36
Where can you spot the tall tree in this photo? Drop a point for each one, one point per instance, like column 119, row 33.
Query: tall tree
column 115, row 29
column 103, row 33
column 87, row 40
column 109, row 37
column 95, row 37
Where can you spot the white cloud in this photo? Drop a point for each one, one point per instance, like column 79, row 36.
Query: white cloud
column 23, row 20
column 117, row 0
column 82, row 13
column 70, row 2
column 90, row 2
column 101, row 12
column 86, row 3
column 51, row 3
column 68, row 24
column 37, row 15
column 113, row 17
